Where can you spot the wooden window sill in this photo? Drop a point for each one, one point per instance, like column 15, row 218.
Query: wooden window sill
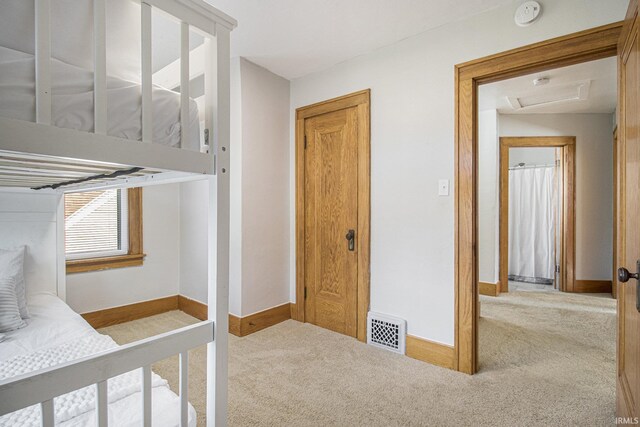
column 106, row 263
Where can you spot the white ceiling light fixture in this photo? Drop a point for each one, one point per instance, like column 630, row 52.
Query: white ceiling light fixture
column 556, row 94
column 541, row 81
column 527, row 13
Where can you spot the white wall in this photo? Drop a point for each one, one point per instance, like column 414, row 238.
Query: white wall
column 235, row 208
column 531, row 156
column 265, row 189
column 594, row 181
column 412, row 124
column 159, row 275
column 488, row 161
column 259, row 241
column 175, row 216
column 194, row 211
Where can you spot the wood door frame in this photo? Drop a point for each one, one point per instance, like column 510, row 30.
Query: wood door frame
column 568, row 246
column 584, row 46
column 362, row 101
column 624, row 403
column 614, row 245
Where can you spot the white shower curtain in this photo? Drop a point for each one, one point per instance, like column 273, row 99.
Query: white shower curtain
column 531, row 224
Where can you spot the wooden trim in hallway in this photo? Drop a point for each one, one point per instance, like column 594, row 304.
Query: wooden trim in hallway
column 567, row 219
column 593, row 286
column 243, row 326
column 234, row 325
column 431, row 352
column 584, row 46
column 126, row 313
column 193, row 308
column 237, row 326
column 240, row 326
column 489, row 289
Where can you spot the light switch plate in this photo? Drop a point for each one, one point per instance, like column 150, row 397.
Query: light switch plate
column 443, row 187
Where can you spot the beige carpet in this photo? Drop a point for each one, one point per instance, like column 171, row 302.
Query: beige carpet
column 546, row 359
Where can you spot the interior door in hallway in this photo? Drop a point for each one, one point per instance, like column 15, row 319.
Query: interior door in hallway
column 331, row 219
column 628, row 221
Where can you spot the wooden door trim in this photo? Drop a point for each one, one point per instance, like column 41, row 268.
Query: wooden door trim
column 361, row 100
column 625, row 405
column 614, row 244
column 589, row 45
column 568, row 256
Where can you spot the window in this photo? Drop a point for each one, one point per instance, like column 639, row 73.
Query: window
column 103, row 229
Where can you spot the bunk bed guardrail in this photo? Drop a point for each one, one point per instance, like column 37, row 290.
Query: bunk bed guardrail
column 42, row 386
column 43, row 138
column 38, row 154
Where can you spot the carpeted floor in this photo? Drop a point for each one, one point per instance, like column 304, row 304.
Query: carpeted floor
column 546, row 359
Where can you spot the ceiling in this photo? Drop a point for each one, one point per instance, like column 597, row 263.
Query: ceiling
column 293, row 38
column 599, row 76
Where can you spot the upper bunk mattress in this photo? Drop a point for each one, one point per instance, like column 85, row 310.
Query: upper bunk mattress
column 72, row 101
column 56, row 334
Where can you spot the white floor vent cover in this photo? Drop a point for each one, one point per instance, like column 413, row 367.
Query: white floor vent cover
column 386, row 332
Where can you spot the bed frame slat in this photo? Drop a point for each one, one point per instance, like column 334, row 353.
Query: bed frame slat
column 184, row 389
column 147, row 74
column 146, row 396
column 100, row 68
column 184, row 84
column 102, row 403
column 47, row 413
column 38, row 386
column 210, row 92
column 43, row 61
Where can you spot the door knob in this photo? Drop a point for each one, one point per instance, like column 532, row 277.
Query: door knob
column 351, row 237
column 624, row 276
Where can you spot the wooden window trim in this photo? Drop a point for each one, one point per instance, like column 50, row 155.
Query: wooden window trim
column 135, row 255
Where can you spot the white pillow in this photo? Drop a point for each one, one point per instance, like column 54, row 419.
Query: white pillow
column 9, row 313
column 12, row 266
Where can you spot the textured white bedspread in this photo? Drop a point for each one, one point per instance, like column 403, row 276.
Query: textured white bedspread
column 72, row 101
column 56, row 334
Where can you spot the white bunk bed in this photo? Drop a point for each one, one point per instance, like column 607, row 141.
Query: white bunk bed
column 45, row 153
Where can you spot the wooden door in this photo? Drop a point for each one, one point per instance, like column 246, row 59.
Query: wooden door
column 628, row 221
column 331, row 220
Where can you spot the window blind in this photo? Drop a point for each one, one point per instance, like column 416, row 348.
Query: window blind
column 96, row 223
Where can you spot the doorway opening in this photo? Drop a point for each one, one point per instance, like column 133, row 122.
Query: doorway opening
column 590, row 45
column 554, row 148
column 537, row 213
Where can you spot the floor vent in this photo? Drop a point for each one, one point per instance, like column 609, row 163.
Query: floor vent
column 386, row 332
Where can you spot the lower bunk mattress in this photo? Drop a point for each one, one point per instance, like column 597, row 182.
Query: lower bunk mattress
column 56, row 334
column 72, row 101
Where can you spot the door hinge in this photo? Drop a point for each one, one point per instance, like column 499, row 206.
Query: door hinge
column 557, row 269
column 305, row 142
column 305, row 292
